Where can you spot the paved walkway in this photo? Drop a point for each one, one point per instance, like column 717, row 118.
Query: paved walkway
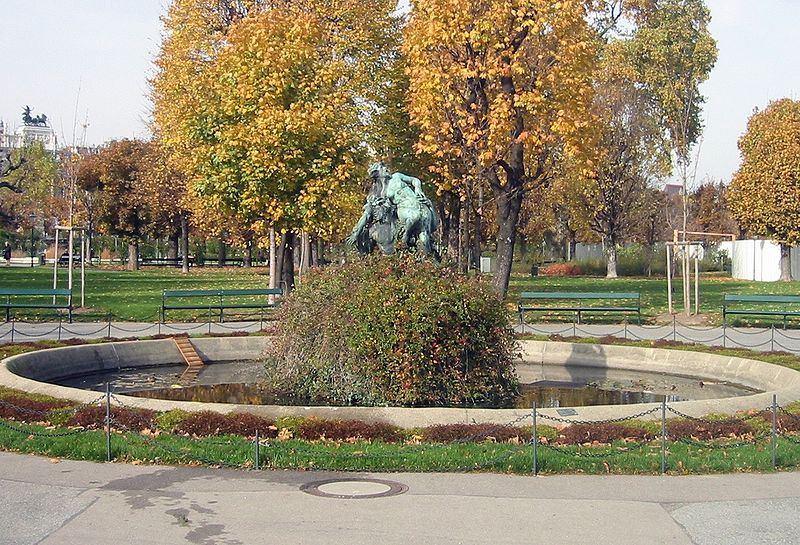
column 51, row 502
column 761, row 339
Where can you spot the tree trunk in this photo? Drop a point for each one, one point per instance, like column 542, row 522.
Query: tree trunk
column 573, row 245
column 133, row 256
column 450, row 235
column 172, row 244
column 247, row 260
column 287, row 262
column 508, row 199
column 611, row 258
column 222, row 252
column 475, row 241
column 185, row 244
column 786, row 263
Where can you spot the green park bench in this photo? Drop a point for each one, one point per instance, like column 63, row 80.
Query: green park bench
column 578, row 302
column 34, row 298
column 765, row 306
column 218, row 300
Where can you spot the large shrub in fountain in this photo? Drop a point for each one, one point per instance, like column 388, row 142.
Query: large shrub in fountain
column 393, row 331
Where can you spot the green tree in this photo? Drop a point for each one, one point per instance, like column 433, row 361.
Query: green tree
column 764, row 195
column 31, row 174
column 669, row 54
column 630, row 152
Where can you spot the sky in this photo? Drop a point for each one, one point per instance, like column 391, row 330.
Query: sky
column 86, row 64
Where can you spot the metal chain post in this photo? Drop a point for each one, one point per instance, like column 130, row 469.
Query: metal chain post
column 258, row 450
column 535, row 439
column 724, row 334
column 109, row 326
column 13, row 321
column 108, row 422
column 674, row 329
column 59, row 327
column 625, row 334
column 772, row 338
column 663, row 436
column 574, row 327
column 209, row 320
column 774, row 430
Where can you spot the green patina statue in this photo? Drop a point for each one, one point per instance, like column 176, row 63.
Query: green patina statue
column 396, row 210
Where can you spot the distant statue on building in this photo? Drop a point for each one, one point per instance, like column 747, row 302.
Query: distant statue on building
column 29, row 120
column 396, row 210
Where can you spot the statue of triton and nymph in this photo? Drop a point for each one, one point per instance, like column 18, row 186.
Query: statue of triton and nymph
column 396, row 211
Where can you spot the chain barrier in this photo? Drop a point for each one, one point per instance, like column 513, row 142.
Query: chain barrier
column 721, row 446
column 791, row 438
column 85, row 333
column 71, row 410
column 132, row 330
column 694, row 341
column 785, row 348
column 606, row 421
column 750, row 331
column 698, row 328
column 791, row 415
column 185, row 328
column 739, row 344
column 744, row 418
column 600, row 334
column 32, row 433
column 582, row 452
column 37, row 335
column 180, row 453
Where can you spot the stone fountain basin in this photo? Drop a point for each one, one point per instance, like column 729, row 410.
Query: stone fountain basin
column 31, row 371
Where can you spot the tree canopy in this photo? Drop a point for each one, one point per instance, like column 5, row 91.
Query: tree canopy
column 764, row 195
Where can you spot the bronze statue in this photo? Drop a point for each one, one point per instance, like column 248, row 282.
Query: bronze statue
column 396, row 210
column 27, row 119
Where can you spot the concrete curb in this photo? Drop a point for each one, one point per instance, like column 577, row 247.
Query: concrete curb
column 27, row 371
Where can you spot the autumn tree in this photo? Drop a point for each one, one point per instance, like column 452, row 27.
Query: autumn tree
column 709, row 211
column 121, row 206
column 273, row 136
column 764, row 195
column 501, row 88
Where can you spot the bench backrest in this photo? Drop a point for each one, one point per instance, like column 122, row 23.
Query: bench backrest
column 221, row 293
column 733, row 298
column 34, row 291
column 577, row 295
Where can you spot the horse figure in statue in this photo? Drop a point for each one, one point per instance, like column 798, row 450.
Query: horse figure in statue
column 396, row 210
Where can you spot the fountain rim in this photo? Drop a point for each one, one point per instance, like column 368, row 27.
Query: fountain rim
column 769, row 378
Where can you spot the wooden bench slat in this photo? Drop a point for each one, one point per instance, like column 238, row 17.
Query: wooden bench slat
column 28, row 293
column 577, row 295
column 218, row 299
column 767, row 300
column 561, row 299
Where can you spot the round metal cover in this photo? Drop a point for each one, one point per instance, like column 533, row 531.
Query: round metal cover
column 353, row 489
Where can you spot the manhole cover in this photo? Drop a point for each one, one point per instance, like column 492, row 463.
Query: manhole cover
column 353, row 489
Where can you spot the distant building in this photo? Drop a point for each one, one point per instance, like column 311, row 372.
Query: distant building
column 673, row 189
column 27, row 134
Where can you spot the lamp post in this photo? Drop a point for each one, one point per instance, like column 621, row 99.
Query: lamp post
column 32, row 217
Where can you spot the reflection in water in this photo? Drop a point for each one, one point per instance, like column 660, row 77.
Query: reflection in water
column 550, row 394
column 548, row 386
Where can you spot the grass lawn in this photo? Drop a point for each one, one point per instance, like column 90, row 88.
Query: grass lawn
column 137, row 295
column 129, row 295
column 654, row 293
